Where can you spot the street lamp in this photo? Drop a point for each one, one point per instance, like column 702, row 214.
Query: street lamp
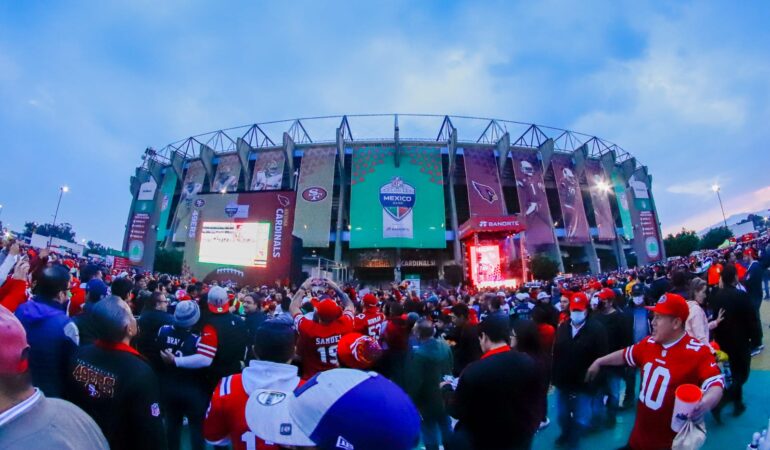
column 62, row 190
column 716, row 189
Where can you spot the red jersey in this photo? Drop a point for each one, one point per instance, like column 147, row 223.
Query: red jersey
column 317, row 345
column 664, row 368
column 370, row 322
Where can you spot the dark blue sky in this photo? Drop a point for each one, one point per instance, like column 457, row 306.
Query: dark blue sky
column 86, row 86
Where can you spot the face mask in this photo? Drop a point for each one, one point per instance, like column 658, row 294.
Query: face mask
column 577, row 317
column 594, row 303
column 638, row 301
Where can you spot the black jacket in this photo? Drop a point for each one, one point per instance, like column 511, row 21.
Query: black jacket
column 466, row 349
column 150, row 322
column 494, row 403
column 86, row 325
column 118, row 389
column 752, row 281
column 573, row 356
column 739, row 331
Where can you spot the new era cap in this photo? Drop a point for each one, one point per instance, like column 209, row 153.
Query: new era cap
column 338, row 409
column 671, row 305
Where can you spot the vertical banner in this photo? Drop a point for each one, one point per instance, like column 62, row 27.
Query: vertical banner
column 533, row 202
column 228, row 173
column 141, row 242
column 646, row 234
column 620, row 194
column 192, row 186
column 485, row 197
column 571, row 200
column 314, row 202
column 598, row 185
column 268, row 170
column 167, row 189
column 397, row 206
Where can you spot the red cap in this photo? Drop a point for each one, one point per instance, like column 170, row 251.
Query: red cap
column 595, row 285
column 606, row 294
column 370, row 299
column 327, row 309
column 358, row 351
column 14, row 339
column 578, row 302
column 671, row 305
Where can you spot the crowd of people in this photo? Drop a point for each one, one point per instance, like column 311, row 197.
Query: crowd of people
column 97, row 358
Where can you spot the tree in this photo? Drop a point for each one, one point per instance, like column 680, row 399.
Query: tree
column 168, row 261
column 681, row 244
column 60, row 230
column 715, row 237
column 95, row 248
column 543, row 267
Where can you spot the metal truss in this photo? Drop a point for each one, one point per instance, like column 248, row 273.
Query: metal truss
column 267, row 134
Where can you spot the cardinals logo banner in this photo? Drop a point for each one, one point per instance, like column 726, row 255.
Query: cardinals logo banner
column 571, row 199
column 314, row 200
column 533, row 202
column 485, row 196
column 410, row 198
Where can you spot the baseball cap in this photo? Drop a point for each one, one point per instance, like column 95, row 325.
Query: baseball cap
column 217, row 299
column 186, row 314
column 671, row 305
column 542, row 295
column 337, row 409
column 358, row 351
column 578, row 302
column 370, row 299
column 13, row 358
column 606, row 294
column 96, row 286
column 327, row 309
column 637, row 290
column 501, row 293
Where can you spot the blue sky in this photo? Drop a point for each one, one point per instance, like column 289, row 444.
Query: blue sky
column 86, row 86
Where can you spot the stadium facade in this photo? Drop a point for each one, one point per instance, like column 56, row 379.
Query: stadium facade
column 392, row 195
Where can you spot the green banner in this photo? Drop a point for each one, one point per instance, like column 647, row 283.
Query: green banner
column 166, row 199
column 625, row 214
column 397, row 206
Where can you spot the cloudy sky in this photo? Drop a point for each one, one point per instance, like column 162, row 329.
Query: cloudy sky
column 86, row 86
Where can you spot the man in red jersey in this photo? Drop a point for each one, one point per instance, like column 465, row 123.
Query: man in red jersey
column 371, row 321
column 668, row 359
column 225, row 423
column 319, row 336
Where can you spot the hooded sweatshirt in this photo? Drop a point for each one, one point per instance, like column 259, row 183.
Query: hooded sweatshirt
column 225, row 421
column 53, row 339
column 430, row 361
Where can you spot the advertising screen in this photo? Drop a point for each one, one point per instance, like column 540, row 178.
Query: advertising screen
column 238, row 244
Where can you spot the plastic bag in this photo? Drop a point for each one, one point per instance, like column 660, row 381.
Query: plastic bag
column 692, row 436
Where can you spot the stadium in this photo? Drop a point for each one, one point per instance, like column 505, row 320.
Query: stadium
column 392, row 196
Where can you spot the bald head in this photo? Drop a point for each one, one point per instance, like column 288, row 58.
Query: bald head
column 114, row 321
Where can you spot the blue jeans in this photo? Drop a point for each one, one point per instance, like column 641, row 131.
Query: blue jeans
column 435, row 432
column 573, row 410
column 609, row 387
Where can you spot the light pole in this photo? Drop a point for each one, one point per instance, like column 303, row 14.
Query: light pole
column 62, row 190
column 716, row 189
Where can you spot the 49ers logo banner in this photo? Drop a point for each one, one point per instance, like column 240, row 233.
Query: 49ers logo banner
column 314, row 205
column 485, row 196
column 397, row 206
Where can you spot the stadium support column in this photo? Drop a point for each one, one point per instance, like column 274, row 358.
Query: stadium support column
column 589, row 249
column 452, row 150
column 207, row 158
column 288, row 153
column 341, row 199
column 546, row 152
column 244, row 150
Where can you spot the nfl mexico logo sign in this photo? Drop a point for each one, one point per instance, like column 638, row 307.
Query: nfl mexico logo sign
column 397, row 199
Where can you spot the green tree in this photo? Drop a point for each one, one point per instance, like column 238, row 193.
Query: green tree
column 682, row 243
column 543, row 267
column 62, row 231
column 715, row 237
column 95, row 248
column 168, row 261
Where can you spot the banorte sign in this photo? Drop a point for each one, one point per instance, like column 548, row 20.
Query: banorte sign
column 493, row 224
